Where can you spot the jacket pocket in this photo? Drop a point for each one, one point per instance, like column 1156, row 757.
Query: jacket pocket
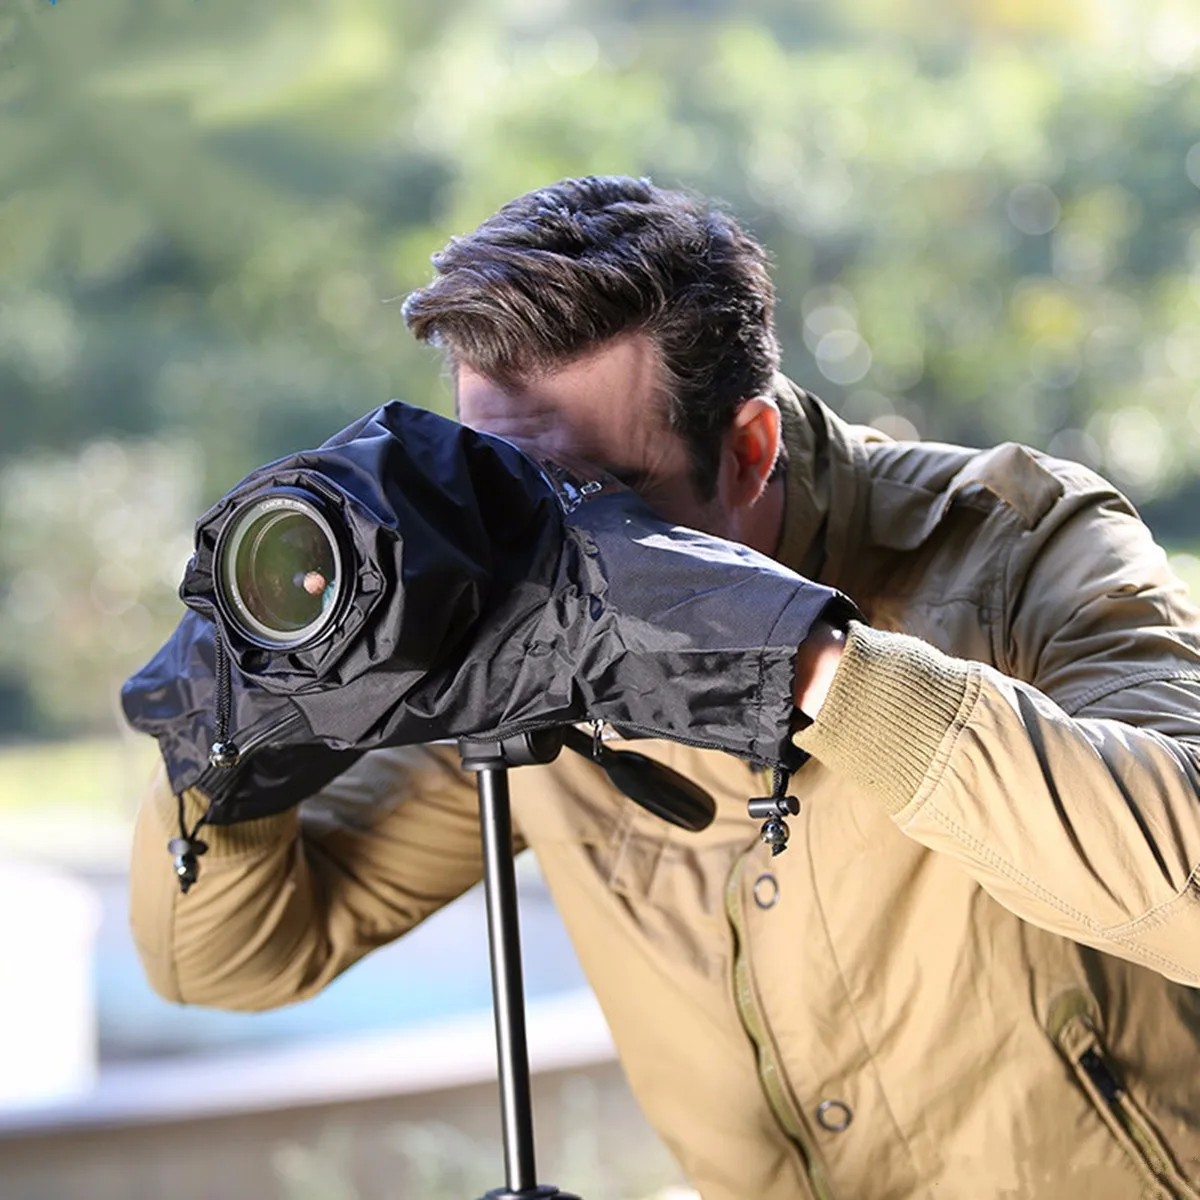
column 1074, row 1031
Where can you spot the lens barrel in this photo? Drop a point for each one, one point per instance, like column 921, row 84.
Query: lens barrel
column 280, row 570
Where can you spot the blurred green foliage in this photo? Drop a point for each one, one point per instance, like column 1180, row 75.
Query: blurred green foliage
column 984, row 218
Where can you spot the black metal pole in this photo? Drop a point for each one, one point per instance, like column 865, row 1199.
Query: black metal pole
column 490, row 761
column 508, row 994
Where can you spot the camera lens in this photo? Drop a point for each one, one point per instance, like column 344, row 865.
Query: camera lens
column 279, row 571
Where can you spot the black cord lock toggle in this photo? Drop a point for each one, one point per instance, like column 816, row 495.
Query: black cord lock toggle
column 186, row 851
column 186, row 848
column 773, row 811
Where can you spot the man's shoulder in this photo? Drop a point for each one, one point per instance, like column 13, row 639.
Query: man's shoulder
column 914, row 486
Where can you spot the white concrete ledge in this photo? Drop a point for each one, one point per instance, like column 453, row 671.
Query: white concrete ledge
column 564, row 1032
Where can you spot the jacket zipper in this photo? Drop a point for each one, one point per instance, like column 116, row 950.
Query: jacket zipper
column 770, row 1074
column 1151, row 1152
column 1077, row 1038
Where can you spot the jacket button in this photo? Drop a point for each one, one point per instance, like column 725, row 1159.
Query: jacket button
column 834, row 1115
column 766, row 891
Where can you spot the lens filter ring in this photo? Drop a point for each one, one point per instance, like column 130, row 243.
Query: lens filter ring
column 280, row 570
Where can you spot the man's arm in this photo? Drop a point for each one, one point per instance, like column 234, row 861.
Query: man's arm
column 1070, row 787
column 817, row 662
column 285, row 903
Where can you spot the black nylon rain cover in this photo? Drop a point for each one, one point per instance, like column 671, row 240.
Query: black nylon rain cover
column 457, row 520
column 491, row 595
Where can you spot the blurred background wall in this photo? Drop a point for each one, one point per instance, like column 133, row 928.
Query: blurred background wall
column 984, row 217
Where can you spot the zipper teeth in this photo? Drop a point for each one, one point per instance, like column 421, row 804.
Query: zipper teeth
column 1112, row 1093
column 768, row 1069
column 1146, row 1142
column 1133, row 1125
column 211, row 778
column 215, row 776
column 519, row 727
column 1129, row 1120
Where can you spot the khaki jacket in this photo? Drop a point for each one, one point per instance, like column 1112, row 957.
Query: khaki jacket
column 970, row 975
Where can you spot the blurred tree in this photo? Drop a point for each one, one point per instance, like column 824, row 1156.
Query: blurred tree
column 92, row 547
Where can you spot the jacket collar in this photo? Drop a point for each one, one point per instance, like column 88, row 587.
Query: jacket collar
column 826, row 486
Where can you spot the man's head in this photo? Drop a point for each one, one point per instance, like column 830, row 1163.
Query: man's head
column 634, row 312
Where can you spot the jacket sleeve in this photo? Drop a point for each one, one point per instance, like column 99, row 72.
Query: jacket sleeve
column 1068, row 784
column 285, row 903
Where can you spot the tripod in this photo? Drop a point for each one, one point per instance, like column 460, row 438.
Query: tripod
column 652, row 785
column 490, row 762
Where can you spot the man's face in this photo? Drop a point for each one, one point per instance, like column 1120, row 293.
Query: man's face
column 606, row 409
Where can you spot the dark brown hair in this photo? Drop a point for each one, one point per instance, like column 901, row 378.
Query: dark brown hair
column 561, row 270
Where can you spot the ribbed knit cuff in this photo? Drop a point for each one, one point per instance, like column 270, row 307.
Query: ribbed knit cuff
column 223, row 841
column 892, row 703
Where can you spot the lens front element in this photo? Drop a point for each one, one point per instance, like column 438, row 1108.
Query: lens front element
column 279, row 568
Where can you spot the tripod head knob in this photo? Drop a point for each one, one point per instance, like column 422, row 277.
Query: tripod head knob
column 520, row 750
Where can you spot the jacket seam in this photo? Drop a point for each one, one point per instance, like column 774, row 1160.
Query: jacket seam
column 802, row 1151
column 1127, row 682
column 913, row 1158
column 1011, row 872
column 1155, row 916
column 171, row 922
column 163, row 805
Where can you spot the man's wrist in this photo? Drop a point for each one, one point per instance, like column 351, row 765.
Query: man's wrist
column 817, row 662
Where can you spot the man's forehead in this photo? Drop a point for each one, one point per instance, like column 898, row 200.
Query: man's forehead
column 620, row 382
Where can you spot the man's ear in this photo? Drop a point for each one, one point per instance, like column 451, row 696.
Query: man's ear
column 749, row 450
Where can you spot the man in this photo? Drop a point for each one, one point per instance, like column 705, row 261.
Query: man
column 971, row 974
